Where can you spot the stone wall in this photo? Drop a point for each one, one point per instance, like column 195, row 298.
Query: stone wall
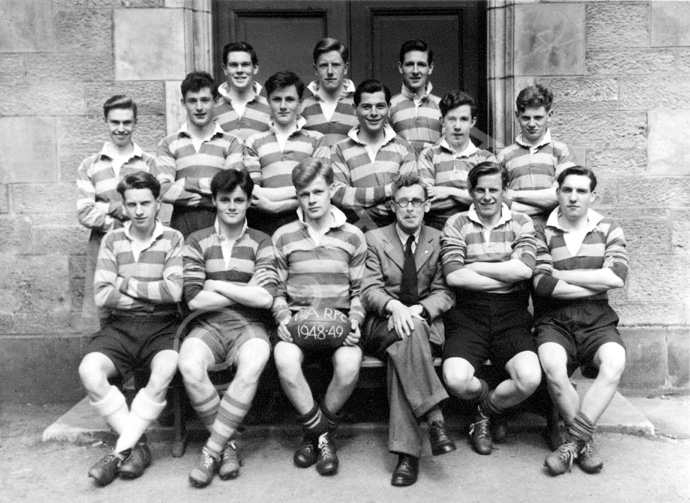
column 620, row 72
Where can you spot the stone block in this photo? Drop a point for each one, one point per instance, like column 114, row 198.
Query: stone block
column 43, row 197
column 659, row 277
column 175, row 114
column 669, row 144
column 28, row 152
column 680, row 228
column 4, row 198
column 617, row 161
column 652, row 92
column 601, row 129
column 58, row 239
column 649, row 313
column 42, row 99
column 16, row 234
column 103, row 4
column 679, row 357
column 26, row 26
column 664, row 192
column 147, row 95
column 84, row 31
column 26, row 288
column 58, row 360
column 647, row 363
column 600, row 93
column 68, row 165
column 632, row 61
column 160, row 32
column 607, row 192
column 550, row 39
column 670, row 23
column 617, row 25
column 61, row 219
column 646, row 234
column 21, row 69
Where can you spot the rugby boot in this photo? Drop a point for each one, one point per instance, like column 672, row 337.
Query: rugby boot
column 202, row 474
column 588, row 457
column 561, row 460
column 499, row 428
column 480, row 434
column 305, row 455
column 230, row 461
column 405, row 474
column 136, row 462
column 105, row 470
column 327, row 459
column 439, row 439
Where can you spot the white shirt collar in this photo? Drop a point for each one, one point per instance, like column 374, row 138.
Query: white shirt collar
column 388, row 134
column 157, row 230
column 224, row 90
column 338, row 217
column 469, row 150
column 413, row 96
column 184, row 129
column 109, row 151
column 593, row 219
column 506, row 215
column 348, row 88
column 404, row 236
column 544, row 141
column 216, row 228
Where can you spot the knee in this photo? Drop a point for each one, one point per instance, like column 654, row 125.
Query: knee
column 347, row 372
column 528, row 380
column 249, row 370
column 161, row 374
column 612, row 369
column 457, row 380
column 91, row 376
column 288, row 365
column 191, row 368
column 556, row 373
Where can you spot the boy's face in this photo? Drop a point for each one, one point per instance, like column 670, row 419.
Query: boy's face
column 410, row 217
column 575, row 196
column 415, row 70
column 121, row 122
column 534, row 122
column 372, row 112
column 141, row 208
column 330, row 71
column 487, row 196
column 315, row 199
column 239, row 70
column 457, row 125
column 284, row 105
column 199, row 106
column 231, row 207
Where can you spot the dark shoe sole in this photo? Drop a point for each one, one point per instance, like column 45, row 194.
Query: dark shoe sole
column 402, row 482
column 443, row 449
column 197, row 484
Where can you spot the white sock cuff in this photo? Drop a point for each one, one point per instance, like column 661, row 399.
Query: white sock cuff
column 113, row 401
column 146, row 408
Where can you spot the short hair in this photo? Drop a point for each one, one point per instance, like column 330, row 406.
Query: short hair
column 416, row 45
column 328, row 45
column 196, row 81
column 370, row 86
column 228, row 180
column 409, row 180
column 486, row 168
column 139, row 180
column 309, row 169
column 455, row 99
column 239, row 46
column 284, row 79
column 581, row 171
column 534, row 97
column 119, row 101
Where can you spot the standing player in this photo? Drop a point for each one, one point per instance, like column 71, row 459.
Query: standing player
column 488, row 255
column 227, row 268
column 320, row 263
column 367, row 162
column 535, row 159
column 580, row 256
column 269, row 157
column 187, row 160
column 415, row 113
column 99, row 206
column 139, row 278
column 444, row 166
column 405, row 293
column 241, row 110
column 329, row 110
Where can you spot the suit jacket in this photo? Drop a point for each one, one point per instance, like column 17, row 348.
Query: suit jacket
column 383, row 274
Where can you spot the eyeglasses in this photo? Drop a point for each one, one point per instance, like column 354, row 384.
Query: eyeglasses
column 416, row 202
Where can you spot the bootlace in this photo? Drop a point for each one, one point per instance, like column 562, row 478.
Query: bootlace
column 325, row 446
column 207, row 461
column 567, row 454
column 587, row 450
column 229, row 451
column 482, row 427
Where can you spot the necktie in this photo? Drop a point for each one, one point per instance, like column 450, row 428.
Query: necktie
column 408, row 284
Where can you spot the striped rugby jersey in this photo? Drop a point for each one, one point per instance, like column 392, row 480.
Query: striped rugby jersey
column 183, row 171
column 361, row 183
column 272, row 168
column 343, row 119
column 255, row 118
column 603, row 246
column 204, row 259
column 418, row 121
column 465, row 240
column 326, row 274
column 97, row 182
column 150, row 285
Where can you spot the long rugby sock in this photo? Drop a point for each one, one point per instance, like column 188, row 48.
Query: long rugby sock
column 114, row 409
column 230, row 415
column 332, row 418
column 484, row 391
column 206, row 408
column 488, row 406
column 314, row 422
column 144, row 412
column 582, row 429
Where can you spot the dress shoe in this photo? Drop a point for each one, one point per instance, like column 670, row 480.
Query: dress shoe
column 136, row 462
column 327, row 459
column 438, row 437
column 105, row 469
column 405, row 474
column 230, row 461
column 305, row 455
column 480, row 434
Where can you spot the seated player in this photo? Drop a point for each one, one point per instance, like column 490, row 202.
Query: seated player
column 99, row 206
column 228, row 268
column 320, row 263
column 580, row 256
column 366, row 163
column 405, row 295
column 139, row 278
column 187, row 160
column 488, row 255
column 444, row 166
column 329, row 110
column 270, row 156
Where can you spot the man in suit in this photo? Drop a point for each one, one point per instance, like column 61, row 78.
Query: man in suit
column 405, row 294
